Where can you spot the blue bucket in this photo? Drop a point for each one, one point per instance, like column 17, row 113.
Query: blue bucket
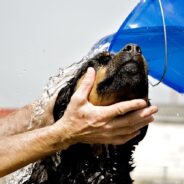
column 145, row 26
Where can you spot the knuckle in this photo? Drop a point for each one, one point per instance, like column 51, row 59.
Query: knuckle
column 120, row 110
column 86, row 83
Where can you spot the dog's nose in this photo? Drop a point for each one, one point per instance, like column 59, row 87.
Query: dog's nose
column 133, row 49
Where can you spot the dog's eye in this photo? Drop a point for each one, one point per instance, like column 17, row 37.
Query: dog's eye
column 103, row 58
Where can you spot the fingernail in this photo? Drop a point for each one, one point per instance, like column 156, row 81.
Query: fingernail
column 154, row 109
column 149, row 111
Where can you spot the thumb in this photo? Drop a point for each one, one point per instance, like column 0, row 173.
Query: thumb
column 86, row 84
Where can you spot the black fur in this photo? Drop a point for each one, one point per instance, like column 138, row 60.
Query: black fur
column 80, row 164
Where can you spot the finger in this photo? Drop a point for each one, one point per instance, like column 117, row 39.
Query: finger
column 143, row 123
column 86, row 85
column 127, row 130
column 123, row 139
column 122, row 108
column 133, row 118
column 105, row 138
column 131, row 129
column 148, row 111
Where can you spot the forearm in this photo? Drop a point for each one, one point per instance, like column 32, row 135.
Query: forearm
column 16, row 122
column 23, row 120
column 19, row 150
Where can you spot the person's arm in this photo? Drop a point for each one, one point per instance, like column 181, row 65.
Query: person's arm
column 81, row 122
column 21, row 121
column 19, row 150
column 15, row 122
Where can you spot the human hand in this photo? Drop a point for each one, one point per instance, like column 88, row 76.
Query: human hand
column 115, row 124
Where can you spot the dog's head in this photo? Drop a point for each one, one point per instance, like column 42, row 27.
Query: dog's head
column 119, row 77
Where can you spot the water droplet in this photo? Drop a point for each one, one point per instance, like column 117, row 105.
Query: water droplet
column 86, row 164
column 102, row 177
column 114, row 169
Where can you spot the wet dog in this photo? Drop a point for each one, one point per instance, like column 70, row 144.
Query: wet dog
column 119, row 77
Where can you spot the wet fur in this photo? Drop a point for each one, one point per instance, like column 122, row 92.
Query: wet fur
column 94, row 164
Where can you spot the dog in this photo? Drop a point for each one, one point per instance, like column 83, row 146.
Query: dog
column 119, row 77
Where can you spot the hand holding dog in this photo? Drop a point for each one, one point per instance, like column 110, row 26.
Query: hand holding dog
column 114, row 124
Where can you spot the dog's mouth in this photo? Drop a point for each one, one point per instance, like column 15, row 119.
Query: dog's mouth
column 131, row 67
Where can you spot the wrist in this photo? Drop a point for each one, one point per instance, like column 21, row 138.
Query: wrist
column 64, row 134
column 40, row 116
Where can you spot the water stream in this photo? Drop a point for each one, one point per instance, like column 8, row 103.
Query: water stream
column 59, row 81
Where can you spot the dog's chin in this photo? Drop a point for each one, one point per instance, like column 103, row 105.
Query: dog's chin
column 132, row 68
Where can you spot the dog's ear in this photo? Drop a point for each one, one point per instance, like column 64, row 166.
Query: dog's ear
column 63, row 99
column 102, row 58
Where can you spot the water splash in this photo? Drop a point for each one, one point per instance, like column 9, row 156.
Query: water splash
column 20, row 176
column 59, row 81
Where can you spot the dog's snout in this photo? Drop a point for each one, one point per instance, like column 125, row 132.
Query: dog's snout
column 133, row 49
